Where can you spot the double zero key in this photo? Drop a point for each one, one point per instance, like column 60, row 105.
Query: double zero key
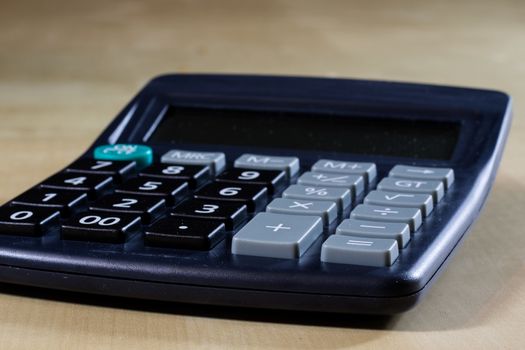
column 253, row 196
column 100, row 227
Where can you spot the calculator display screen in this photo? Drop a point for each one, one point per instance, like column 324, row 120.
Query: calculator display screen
column 311, row 132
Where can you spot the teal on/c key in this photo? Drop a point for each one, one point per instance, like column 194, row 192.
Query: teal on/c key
column 142, row 155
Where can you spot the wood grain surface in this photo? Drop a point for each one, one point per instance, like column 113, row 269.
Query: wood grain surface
column 67, row 67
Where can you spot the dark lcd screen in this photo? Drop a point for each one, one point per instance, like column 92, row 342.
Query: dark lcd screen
column 312, row 132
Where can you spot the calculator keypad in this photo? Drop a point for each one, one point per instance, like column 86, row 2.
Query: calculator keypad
column 191, row 200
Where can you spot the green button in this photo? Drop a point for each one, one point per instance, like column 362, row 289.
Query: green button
column 142, row 155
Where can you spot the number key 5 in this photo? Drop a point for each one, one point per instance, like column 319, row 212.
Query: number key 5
column 173, row 191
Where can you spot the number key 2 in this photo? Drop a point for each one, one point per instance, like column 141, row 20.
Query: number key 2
column 147, row 207
column 272, row 179
column 253, row 196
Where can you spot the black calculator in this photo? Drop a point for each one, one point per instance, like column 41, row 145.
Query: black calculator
column 268, row 192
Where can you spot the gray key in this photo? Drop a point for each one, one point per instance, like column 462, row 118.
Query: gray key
column 325, row 209
column 359, row 251
column 410, row 216
column 425, row 173
column 277, row 235
column 367, row 170
column 215, row 160
column 354, row 182
column 262, row 162
column 341, row 196
column 435, row 188
column 389, row 230
column 408, row 200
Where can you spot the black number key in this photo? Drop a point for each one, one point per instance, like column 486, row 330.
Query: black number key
column 195, row 175
column 27, row 221
column 67, row 202
column 273, row 180
column 173, row 191
column 119, row 170
column 255, row 197
column 100, row 227
column 185, row 233
column 229, row 213
column 93, row 184
column 147, row 207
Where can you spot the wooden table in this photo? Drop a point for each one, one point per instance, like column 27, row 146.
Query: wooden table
column 67, row 67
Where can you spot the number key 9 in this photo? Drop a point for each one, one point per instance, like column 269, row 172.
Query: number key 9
column 273, row 180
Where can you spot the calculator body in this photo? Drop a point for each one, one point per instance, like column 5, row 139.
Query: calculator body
column 456, row 128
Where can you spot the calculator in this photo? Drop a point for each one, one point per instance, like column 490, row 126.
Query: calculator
column 293, row 193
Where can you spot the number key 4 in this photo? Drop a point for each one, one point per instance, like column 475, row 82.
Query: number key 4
column 94, row 185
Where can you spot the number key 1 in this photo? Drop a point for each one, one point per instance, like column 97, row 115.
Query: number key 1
column 68, row 202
